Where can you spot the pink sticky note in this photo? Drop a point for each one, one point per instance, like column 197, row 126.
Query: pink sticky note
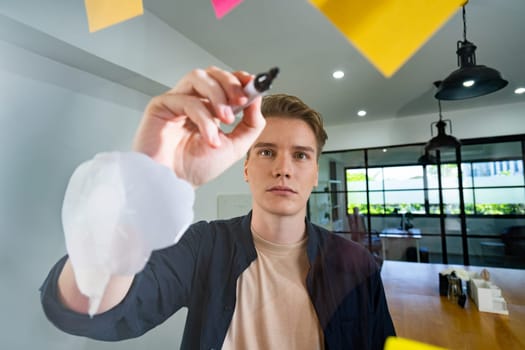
column 222, row 7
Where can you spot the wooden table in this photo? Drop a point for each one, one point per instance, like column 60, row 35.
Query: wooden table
column 420, row 313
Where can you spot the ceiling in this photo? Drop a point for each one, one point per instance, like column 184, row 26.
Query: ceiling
column 307, row 48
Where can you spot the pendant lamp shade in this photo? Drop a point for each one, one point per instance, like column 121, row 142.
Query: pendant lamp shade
column 426, row 159
column 442, row 140
column 470, row 80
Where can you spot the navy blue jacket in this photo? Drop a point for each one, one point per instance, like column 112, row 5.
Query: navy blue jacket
column 200, row 273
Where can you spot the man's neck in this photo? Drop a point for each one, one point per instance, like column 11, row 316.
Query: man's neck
column 278, row 229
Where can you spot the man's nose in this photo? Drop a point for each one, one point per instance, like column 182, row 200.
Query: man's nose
column 282, row 166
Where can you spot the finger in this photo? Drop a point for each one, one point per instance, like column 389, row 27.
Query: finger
column 233, row 83
column 214, row 84
column 252, row 116
column 249, row 128
column 209, row 126
column 244, row 78
column 170, row 106
column 200, row 83
column 233, row 87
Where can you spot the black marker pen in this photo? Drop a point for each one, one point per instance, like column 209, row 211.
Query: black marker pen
column 261, row 83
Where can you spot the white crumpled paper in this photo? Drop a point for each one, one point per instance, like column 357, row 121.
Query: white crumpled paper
column 117, row 209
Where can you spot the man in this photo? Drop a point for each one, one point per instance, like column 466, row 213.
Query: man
column 267, row 280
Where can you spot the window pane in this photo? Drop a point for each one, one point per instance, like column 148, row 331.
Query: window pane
column 433, row 200
column 356, row 199
column 454, row 250
column 449, row 175
column 492, row 151
column 499, row 195
column 320, row 209
column 376, row 203
column 500, row 173
column 324, row 173
column 466, row 172
column 448, row 155
column 404, row 177
column 432, row 178
column 356, row 179
column 396, row 155
column 468, row 198
column 375, row 178
column 500, row 201
column 404, row 201
column 451, row 201
column 351, row 159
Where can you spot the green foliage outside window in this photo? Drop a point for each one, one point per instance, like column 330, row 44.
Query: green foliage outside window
column 362, row 208
column 379, row 209
column 355, row 177
column 482, row 209
column 417, row 208
column 500, row 209
column 485, row 177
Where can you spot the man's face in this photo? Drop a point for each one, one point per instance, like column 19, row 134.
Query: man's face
column 282, row 168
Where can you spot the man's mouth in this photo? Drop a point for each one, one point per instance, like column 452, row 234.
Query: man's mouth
column 281, row 189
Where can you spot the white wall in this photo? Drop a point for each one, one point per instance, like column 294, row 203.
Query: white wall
column 231, row 182
column 144, row 44
column 46, row 131
column 53, row 117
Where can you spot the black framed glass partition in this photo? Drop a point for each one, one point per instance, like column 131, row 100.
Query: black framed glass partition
column 466, row 208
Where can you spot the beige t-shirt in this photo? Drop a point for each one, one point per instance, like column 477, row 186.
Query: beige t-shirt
column 273, row 309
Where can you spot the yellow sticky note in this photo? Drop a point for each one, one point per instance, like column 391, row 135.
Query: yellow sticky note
column 388, row 32
column 105, row 13
column 397, row 343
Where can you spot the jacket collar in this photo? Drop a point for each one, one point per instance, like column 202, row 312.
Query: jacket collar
column 246, row 239
column 315, row 239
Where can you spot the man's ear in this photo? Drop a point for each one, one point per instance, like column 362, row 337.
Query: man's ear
column 245, row 172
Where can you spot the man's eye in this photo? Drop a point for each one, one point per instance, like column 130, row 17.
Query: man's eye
column 266, row 153
column 301, row 155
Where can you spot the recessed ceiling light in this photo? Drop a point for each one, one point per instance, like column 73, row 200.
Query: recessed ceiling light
column 361, row 113
column 385, row 150
column 338, row 74
column 519, row 91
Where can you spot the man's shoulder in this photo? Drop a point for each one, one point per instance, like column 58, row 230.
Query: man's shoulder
column 343, row 252
column 220, row 230
column 333, row 238
column 218, row 224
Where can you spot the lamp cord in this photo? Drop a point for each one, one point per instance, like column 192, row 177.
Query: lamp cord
column 464, row 25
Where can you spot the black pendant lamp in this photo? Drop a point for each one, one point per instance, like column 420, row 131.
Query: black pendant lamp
column 427, row 159
column 441, row 140
column 470, row 80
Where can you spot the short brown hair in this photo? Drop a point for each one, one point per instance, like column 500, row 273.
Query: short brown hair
column 288, row 106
